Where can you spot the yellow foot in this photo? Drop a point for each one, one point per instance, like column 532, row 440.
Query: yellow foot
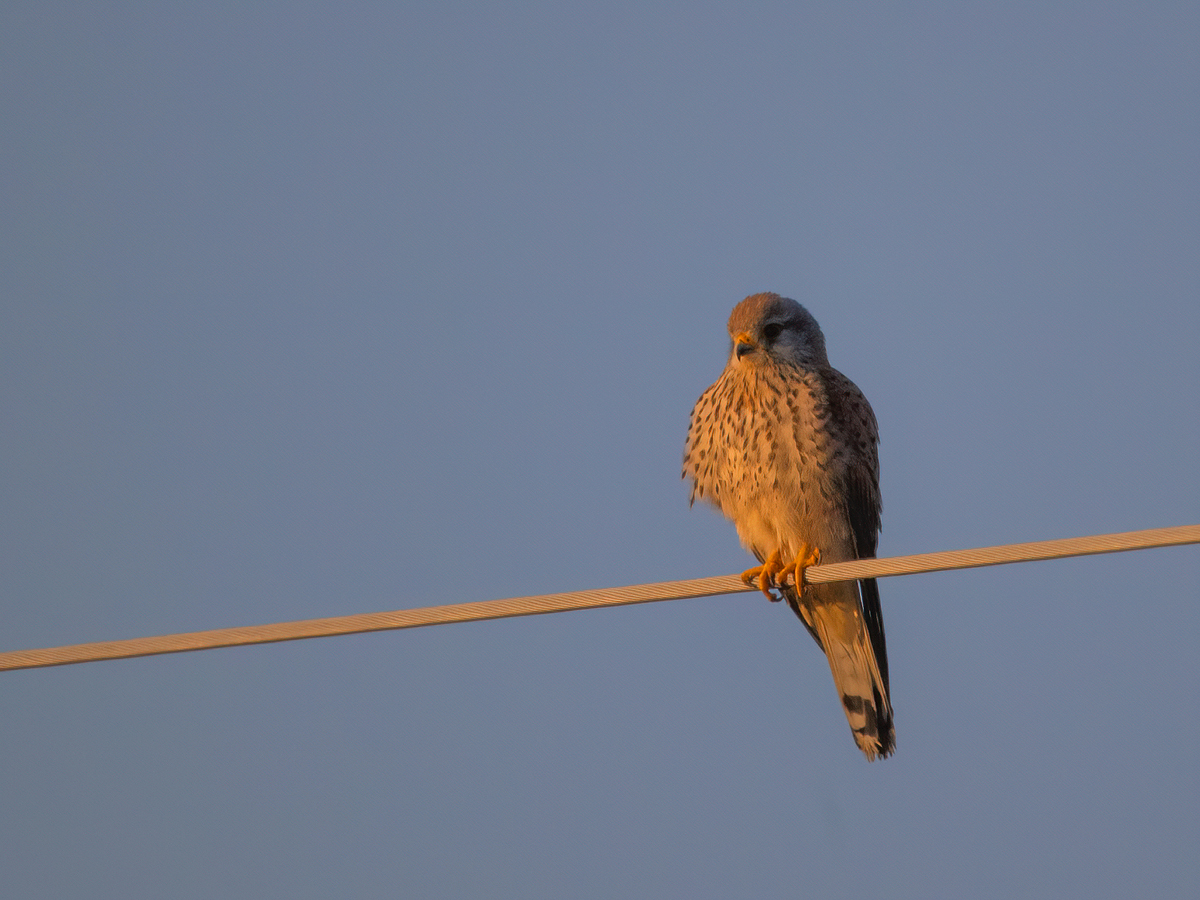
column 808, row 556
column 764, row 575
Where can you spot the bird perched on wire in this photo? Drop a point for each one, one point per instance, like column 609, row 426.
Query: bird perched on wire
column 785, row 446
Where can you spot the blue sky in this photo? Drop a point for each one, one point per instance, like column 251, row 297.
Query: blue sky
column 316, row 310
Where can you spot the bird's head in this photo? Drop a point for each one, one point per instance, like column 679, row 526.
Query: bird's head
column 769, row 328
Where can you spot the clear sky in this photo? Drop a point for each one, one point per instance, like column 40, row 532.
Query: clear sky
column 310, row 310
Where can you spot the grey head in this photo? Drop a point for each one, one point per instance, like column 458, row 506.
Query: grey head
column 767, row 327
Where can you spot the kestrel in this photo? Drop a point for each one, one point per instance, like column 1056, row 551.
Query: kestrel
column 785, row 446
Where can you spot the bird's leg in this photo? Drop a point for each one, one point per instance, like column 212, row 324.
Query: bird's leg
column 764, row 575
column 808, row 556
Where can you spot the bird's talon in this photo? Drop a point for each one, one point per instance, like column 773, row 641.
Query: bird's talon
column 764, row 575
column 808, row 556
column 765, row 582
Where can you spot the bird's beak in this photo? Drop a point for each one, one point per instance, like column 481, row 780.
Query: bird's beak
column 743, row 344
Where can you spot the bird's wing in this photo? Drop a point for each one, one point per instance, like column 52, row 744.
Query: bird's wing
column 862, row 499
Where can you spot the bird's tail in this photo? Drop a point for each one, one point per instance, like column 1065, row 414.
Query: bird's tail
column 834, row 616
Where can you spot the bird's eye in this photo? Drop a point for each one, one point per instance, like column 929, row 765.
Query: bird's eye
column 772, row 331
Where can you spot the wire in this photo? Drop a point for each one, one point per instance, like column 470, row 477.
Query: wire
column 620, row 596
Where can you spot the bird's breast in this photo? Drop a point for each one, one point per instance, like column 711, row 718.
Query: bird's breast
column 761, row 449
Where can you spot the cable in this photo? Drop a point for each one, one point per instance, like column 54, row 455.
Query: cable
column 620, row 596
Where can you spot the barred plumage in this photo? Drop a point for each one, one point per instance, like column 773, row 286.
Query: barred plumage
column 785, row 446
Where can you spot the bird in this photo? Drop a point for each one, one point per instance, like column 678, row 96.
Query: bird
column 786, row 447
